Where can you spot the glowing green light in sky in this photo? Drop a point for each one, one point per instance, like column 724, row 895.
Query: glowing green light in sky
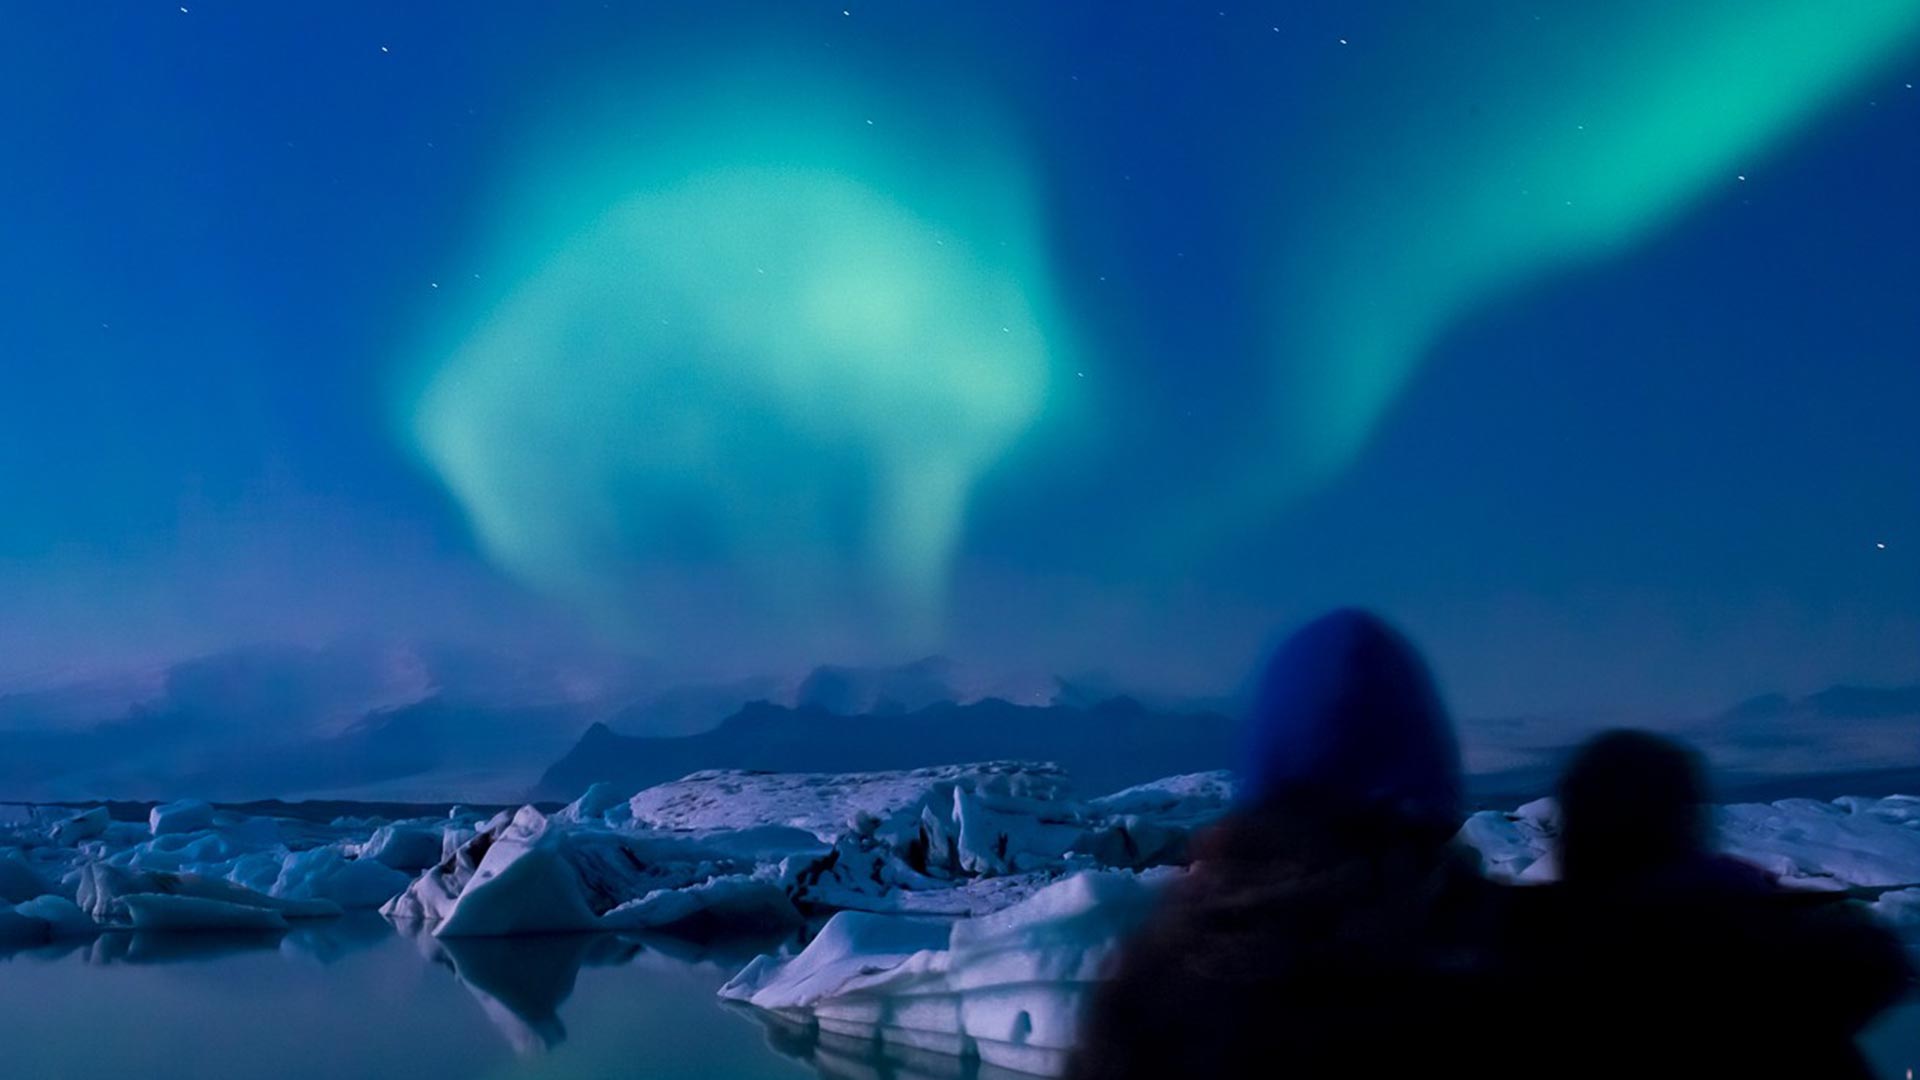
column 757, row 345
column 1463, row 170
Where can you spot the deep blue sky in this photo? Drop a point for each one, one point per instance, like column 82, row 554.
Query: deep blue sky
column 1652, row 478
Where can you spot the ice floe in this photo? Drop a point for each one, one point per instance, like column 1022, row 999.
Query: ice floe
column 1850, row 842
column 1004, row 988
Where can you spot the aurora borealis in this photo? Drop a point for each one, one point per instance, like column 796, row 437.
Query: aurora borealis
column 1526, row 146
column 1066, row 336
column 767, row 353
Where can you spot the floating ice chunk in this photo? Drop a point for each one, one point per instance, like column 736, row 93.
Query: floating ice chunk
column 736, row 903
column 1849, row 841
column 63, row 917
column 324, row 873
column 852, row 946
column 454, row 838
column 82, row 826
column 185, row 815
column 1006, row 987
column 1153, row 824
column 411, row 848
column 1900, row 907
column 18, row 880
column 103, row 890
column 18, row 929
column 1543, row 814
column 541, row 875
column 1543, row 870
column 1023, row 974
column 1506, row 843
column 592, row 805
column 1194, row 798
column 160, row 911
column 523, row 884
column 1004, row 835
column 432, row 895
column 186, row 851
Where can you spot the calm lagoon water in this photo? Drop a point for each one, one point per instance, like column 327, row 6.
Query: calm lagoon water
column 357, row 998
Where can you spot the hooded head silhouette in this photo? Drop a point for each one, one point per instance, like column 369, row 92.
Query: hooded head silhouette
column 1346, row 720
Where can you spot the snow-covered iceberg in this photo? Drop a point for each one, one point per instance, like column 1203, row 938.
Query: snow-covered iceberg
column 720, row 851
column 186, row 815
column 1844, row 843
column 1004, row 988
column 535, row 874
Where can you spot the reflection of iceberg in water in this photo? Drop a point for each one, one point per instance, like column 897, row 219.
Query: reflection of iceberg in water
column 845, row 1057
column 521, row 982
column 160, row 947
column 323, row 940
column 328, row 940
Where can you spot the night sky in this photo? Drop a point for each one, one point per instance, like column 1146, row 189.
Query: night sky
column 1062, row 335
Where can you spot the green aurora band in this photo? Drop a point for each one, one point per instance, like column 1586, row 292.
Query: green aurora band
column 769, row 337
column 1539, row 138
column 762, row 336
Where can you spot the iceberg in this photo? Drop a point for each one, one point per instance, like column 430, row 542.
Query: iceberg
column 745, row 852
column 82, row 826
column 324, row 873
column 407, row 848
column 592, row 805
column 533, row 874
column 1846, row 843
column 186, row 815
column 18, row 929
column 736, row 903
column 63, row 917
column 524, row 883
column 106, row 893
column 1005, row 988
column 164, row 911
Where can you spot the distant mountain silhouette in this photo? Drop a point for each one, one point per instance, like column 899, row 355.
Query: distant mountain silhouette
column 1839, row 729
column 1835, row 702
column 414, row 720
column 846, row 690
column 270, row 720
column 1109, row 746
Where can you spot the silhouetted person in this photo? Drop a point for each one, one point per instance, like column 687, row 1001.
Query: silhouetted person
column 1328, row 926
column 1656, row 956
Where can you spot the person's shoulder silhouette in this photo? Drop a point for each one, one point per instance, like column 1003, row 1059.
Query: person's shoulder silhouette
column 1328, row 926
column 1656, row 956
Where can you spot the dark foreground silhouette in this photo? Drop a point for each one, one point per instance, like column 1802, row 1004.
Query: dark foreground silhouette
column 1656, row 956
column 1330, row 926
